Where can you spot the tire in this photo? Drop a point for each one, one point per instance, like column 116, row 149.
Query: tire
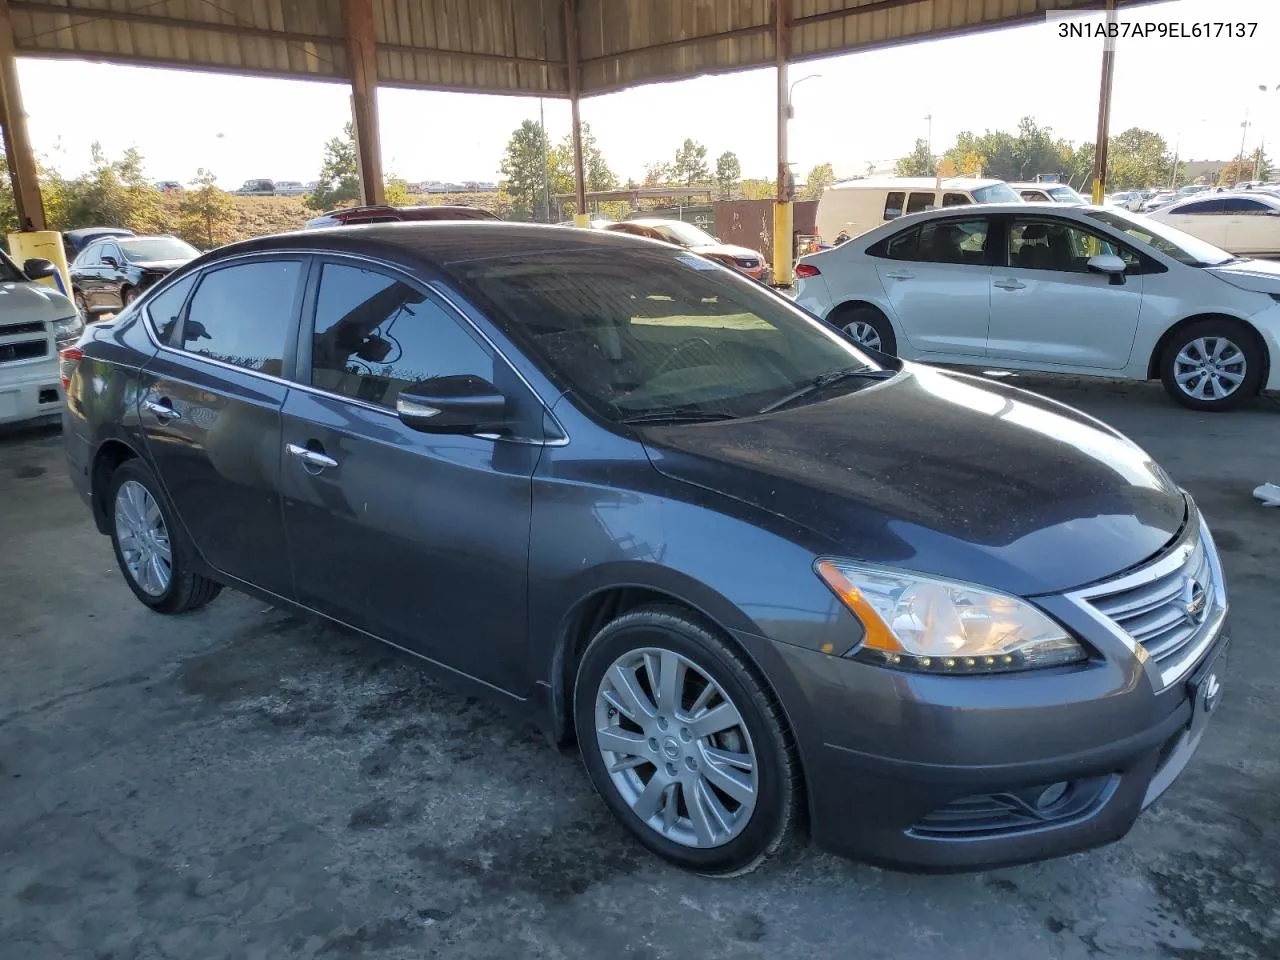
column 1224, row 353
column 867, row 326
column 764, row 808
column 182, row 590
column 127, row 296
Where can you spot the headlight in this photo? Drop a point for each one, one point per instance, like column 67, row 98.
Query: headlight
column 928, row 625
column 67, row 329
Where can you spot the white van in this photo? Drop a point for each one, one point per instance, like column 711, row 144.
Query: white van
column 856, row 206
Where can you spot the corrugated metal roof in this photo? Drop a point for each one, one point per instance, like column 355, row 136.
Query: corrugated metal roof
column 494, row 46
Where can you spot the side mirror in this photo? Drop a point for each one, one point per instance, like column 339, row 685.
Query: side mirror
column 1108, row 263
column 110, row 262
column 457, row 404
column 37, row 268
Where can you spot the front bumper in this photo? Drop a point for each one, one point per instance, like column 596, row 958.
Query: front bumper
column 947, row 775
column 29, row 392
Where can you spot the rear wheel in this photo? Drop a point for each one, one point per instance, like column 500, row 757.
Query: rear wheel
column 150, row 548
column 128, row 295
column 81, row 307
column 685, row 744
column 1212, row 365
column 867, row 326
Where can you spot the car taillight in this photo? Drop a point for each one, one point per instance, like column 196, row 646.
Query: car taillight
column 68, row 359
column 807, row 270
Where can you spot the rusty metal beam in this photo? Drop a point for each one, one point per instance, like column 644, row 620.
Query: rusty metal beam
column 362, row 60
column 469, row 55
column 88, row 15
column 782, row 247
column 575, row 82
column 678, row 44
column 19, row 156
column 1101, row 145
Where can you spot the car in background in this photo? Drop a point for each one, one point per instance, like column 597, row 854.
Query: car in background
column 1048, row 193
column 695, row 239
column 35, row 322
column 766, row 580
column 852, row 208
column 256, row 188
column 355, row 216
column 1155, row 201
column 1190, row 188
column 1246, row 223
column 111, row 273
column 169, row 186
column 73, row 241
column 289, row 188
column 1124, row 198
column 1080, row 290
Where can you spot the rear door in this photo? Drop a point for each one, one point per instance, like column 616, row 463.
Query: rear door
column 1252, row 225
column 938, row 284
column 421, row 539
column 1205, row 219
column 111, row 277
column 210, row 410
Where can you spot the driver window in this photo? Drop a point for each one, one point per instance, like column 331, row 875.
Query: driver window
column 111, row 250
column 1056, row 245
column 374, row 335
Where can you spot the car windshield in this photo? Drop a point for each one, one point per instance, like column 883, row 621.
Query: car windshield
column 996, row 193
column 9, row 272
column 660, row 333
column 1168, row 240
column 685, row 234
column 143, row 249
column 1065, row 195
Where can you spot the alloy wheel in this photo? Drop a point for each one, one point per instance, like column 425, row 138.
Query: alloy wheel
column 1209, row 368
column 676, row 748
column 143, row 538
column 864, row 333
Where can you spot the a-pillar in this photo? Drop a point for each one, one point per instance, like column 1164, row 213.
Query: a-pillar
column 362, row 60
column 13, row 126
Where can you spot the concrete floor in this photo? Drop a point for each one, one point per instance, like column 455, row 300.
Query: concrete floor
column 244, row 783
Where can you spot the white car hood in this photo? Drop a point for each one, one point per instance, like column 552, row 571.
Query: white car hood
column 30, row 302
column 1260, row 276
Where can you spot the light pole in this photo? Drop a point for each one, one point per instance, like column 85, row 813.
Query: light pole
column 929, row 136
column 783, row 246
column 791, row 90
column 1257, row 160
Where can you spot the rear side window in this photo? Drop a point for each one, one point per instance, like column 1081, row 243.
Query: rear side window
column 893, row 204
column 242, row 314
column 1244, row 205
column 942, row 241
column 1201, row 206
column 165, row 308
column 375, row 335
column 920, row 202
column 955, row 200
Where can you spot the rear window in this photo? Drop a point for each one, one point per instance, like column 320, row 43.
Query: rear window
column 920, row 202
column 893, row 205
column 996, row 193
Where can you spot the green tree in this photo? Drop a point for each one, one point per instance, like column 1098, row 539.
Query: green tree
column 523, row 170
column 596, row 171
column 111, row 192
column 657, row 174
column 395, row 191
column 820, row 177
column 206, row 215
column 759, row 190
column 690, row 165
column 728, row 173
column 339, row 173
column 918, row 163
column 1244, row 168
column 1137, row 158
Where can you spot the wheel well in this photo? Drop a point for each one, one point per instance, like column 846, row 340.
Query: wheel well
column 1153, row 364
column 105, row 462
column 854, row 305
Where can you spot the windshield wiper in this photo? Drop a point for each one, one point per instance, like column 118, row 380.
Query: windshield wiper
column 826, row 380
column 676, row 415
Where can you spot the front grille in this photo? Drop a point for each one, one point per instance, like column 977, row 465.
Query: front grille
column 14, row 329
column 23, row 350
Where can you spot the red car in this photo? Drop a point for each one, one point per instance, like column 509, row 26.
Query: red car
column 350, row 216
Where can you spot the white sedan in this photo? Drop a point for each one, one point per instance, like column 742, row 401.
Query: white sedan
column 1245, row 222
column 1081, row 290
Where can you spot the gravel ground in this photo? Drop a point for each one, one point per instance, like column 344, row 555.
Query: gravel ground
column 242, row 782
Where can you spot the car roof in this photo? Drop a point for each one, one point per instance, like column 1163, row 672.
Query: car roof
column 84, row 233
column 915, row 183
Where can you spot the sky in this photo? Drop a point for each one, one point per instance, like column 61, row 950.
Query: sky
column 862, row 108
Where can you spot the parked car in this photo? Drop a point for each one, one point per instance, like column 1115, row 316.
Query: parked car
column 35, row 320
column 73, row 241
column 1190, row 188
column 169, row 186
column 692, row 238
column 1245, row 223
column 257, row 188
column 1084, row 290
column 856, row 206
column 110, row 274
column 1157, row 200
column 1048, row 193
column 1123, row 198
column 754, row 570
column 289, row 188
column 355, row 216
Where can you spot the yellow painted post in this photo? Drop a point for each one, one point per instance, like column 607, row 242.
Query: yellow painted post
column 782, row 217
column 46, row 245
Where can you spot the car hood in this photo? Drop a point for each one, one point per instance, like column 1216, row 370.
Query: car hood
column 161, row 266
column 31, row 302
column 945, row 474
column 1261, row 276
column 725, row 250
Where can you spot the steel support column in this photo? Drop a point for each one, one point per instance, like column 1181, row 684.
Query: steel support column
column 1104, row 112
column 363, row 65
column 575, row 71
column 13, row 127
column 782, row 243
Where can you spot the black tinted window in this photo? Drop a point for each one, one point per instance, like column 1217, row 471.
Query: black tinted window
column 242, row 314
column 89, row 256
column 375, row 335
column 942, row 241
column 1201, row 206
column 920, row 202
column 955, row 200
column 893, row 205
column 112, row 251
column 1243, row 205
column 165, row 307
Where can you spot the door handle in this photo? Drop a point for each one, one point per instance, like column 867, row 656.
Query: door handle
column 312, row 458
column 162, row 409
column 900, row 275
column 1009, row 284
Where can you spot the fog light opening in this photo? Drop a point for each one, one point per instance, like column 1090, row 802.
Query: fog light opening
column 1051, row 795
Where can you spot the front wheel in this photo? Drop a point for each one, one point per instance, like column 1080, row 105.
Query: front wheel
column 685, row 744
column 1212, row 365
